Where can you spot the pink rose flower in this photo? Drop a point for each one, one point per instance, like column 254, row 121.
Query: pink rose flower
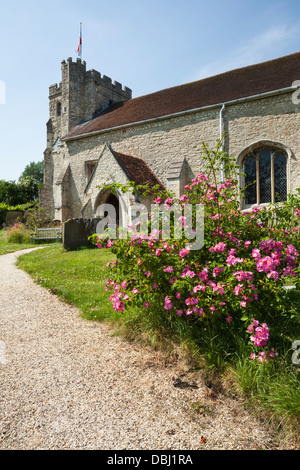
column 220, row 247
column 169, row 269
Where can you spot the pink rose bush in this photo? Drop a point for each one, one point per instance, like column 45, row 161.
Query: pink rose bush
column 237, row 275
column 259, row 337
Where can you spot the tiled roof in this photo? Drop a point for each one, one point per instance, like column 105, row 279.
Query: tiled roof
column 239, row 83
column 137, row 170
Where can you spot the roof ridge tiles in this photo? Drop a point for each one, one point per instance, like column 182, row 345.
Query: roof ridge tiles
column 239, row 83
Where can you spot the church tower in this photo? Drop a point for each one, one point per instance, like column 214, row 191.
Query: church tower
column 80, row 96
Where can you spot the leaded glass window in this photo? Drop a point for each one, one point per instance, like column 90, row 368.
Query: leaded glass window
column 250, row 179
column 280, row 177
column 265, row 176
column 265, row 189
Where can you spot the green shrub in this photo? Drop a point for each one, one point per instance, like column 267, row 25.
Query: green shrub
column 227, row 300
column 233, row 285
column 37, row 217
column 3, row 211
column 5, row 208
column 18, row 234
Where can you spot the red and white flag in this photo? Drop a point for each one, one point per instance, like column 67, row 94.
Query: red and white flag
column 79, row 48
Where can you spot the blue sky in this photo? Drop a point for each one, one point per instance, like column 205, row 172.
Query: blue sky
column 146, row 45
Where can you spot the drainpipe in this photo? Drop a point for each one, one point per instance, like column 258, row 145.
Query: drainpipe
column 221, row 138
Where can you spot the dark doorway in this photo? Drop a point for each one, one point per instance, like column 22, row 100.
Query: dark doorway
column 114, row 201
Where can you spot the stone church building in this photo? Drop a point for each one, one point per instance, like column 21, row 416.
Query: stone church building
column 97, row 133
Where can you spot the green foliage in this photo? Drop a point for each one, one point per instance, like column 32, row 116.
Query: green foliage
column 26, row 189
column 3, row 211
column 210, row 296
column 271, row 388
column 4, row 208
column 9, row 193
column 15, row 193
column 18, row 234
column 239, row 273
column 285, row 215
column 135, row 189
column 34, row 170
column 37, row 217
column 6, row 247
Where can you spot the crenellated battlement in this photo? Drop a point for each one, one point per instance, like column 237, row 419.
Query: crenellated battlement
column 80, row 96
column 95, row 76
column 55, row 90
column 89, row 76
column 78, row 62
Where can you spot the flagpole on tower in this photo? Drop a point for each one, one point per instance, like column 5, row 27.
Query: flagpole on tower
column 79, row 48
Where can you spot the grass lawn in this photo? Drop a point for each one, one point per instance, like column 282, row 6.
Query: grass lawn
column 76, row 276
column 6, row 247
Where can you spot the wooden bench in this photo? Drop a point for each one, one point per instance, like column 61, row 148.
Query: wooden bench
column 46, row 234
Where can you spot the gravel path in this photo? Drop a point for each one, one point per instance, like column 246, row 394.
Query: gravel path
column 67, row 383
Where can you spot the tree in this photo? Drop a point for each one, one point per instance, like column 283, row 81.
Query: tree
column 28, row 189
column 34, row 170
column 14, row 193
column 9, row 192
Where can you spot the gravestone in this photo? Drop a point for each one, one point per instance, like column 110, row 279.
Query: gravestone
column 76, row 233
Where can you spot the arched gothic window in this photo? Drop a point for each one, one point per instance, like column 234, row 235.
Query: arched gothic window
column 265, row 171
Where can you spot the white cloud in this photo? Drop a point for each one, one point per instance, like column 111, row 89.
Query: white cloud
column 262, row 47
